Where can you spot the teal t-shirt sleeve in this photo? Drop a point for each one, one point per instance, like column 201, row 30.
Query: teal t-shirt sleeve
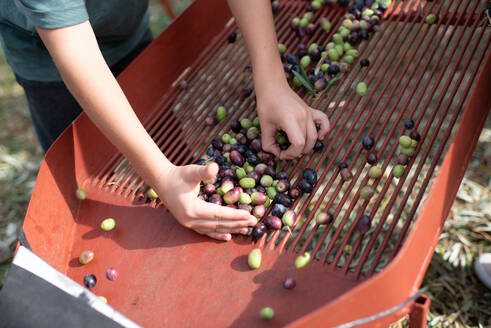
column 51, row 14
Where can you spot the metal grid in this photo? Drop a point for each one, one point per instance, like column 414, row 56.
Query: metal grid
column 417, row 70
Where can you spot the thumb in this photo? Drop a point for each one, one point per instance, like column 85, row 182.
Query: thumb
column 195, row 173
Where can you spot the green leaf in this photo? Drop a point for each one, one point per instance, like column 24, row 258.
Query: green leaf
column 305, row 82
column 333, row 82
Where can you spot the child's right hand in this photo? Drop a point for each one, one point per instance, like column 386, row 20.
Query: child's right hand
column 178, row 189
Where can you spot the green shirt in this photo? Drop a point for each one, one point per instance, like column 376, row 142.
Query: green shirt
column 118, row 25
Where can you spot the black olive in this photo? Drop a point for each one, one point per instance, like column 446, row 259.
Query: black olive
column 364, row 34
column 305, row 186
column 372, row 159
column 342, row 165
column 310, row 176
column 278, row 210
column 232, row 37
column 333, row 70
column 292, row 59
column 368, row 143
column 258, row 231
column 409, row 124
column 364, row 62
column 318, row 145
column 283, row 199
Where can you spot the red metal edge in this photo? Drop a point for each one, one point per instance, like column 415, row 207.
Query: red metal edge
column 388, row 285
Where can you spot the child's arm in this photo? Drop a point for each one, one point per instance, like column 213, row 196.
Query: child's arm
column 76, row 54
column 277, row 105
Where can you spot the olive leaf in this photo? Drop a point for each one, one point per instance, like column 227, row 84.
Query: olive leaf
column 333, row 82
column 305, row 82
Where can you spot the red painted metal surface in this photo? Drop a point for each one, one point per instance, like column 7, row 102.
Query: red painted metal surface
column 439, row 75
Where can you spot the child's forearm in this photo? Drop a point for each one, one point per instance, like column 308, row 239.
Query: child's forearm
column 76, row 54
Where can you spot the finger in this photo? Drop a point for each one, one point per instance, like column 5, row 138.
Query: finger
column 242, row 231
column 297, row 142
column 311, row 136
column 219, row 236
column 222, row 213
column 268, row 141
column 195, row 173
column 323, row 121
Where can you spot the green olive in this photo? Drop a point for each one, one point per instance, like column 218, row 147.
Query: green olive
column 271, row 192
column 312, row 47
column 367, row 192
column 361, row 89
column 302, row 260
column 405, row 141
column 247, row 183
column 338, row 38
column 221, row 113
column 255, row 122
column 375, row 172
column 297, row 82
column 398, row 171
column 254, row 259
column 246, row 123
column 266, row 313
column 305, row 61
column 430, row 19
column 80, row 193
column 352, row 52
column 339, row 49
column 348, row 59
column 240, row 173
column 281, row 48
column 409, row 151
column 226, row 138
column 414, row 143
column 333, row 55
column 324, row 67
column 347, row 46
column 152, row 194
column 108, row 224
column 245, row 199
column 304, row 22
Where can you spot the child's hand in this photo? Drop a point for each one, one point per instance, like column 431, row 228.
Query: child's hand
column 282, row 109
column 178, row 189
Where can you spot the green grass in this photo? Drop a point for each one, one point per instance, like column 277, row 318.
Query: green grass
column 458, row 298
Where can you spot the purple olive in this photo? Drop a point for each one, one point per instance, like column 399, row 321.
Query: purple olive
column 270, row 171
column 227, row 148
column 273, row 222
column 266, row 180
column 290, row 283
column 278, row 210
column 112, row 274
column 260, row 188
column 294, row 193
column 242, row 140
column 258, row 211
column 271, row 163
column 310, row 176
column 364, row 223
column 372, row 159
column 258, row 231
column 346, row 174
column 209, row 189
column 211, row 120
column 324, row 218
column 283, row 199
column 282, row 186
column 403, row 159
column 342, row 165
column 183, row 85
column 415, row 135
column 256, row 145
column 236, row 158
column 275, row 6
column 305, row 186
column 368, row 142
column 215, row 199
column 259, row 198
column 260, row 168
column 310, row 28
column 235, row 126
column 320, row 84
column 282, row 175
column 232, row 196
column 245, row 92
column 90, row 280
column 253, row 159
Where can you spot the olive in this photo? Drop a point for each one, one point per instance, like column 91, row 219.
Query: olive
column 90, row 280
column 398, row 171
column 415, row 135
column 258, row 231
column 245, row 199
column 346, row 174
column 414, row 143
column 236, row 158
column 305, row 186
column 405, row 141
column 209, row 189
column 302, row 260
column 367, row 192
column 430, row 19
column 281, row 48
column 245, row 92
column 409, row 151
column 320, row 84
column 324, row 218
column 266, row 180
column 294, row 193
column 232, row 196
column 258, row 211
column 270, row 171
column 266, row 313
column 368, row 142
column 215, row 199
column 254, row 258
column 318, row 145
column 217, row 144
column 245, row 123
column 232, row 37
column 289, row 283
column 183, row 85
column 85, row 257
column 325, row 24
column 235, row 126
column 361, row 89
column 256, row 145
column 278, row 210
column 112, row 274
column 254, row 176
column 200, row 161
column 374, row 172
column 372, row 159
column 283, row 199
column 402, row 159
column 273, row 222
column 80, row 194
column 315, row 5
column 295, row 23
column 308, row 16
column 260, row 188
column 354, row 37
column 221, row 113
column 108, row 224
column 315, row 54
column 310, row 28
column 364, row 223
column 342, row 165
column 247, row 183
column 211, row 120
column 253, row 159
column 282, row 175
column 288, row 218
column 259, row 168
column 271, row 192
column 333, row 70
column 292, row 59
column 283, row 185
column 324, row 68
column 364, row 62
column 333, row 54
column 275, row 6
column 310, row 176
